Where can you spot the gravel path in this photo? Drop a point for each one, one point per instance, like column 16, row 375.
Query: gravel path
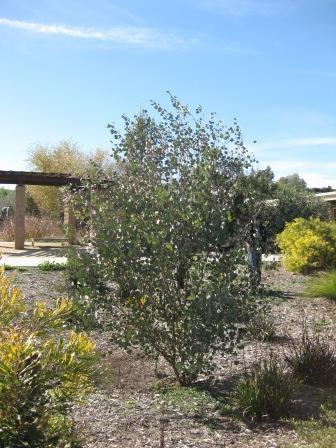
column 126, row 412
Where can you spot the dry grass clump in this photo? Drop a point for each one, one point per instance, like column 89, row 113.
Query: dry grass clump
column 313, row 360
column 36, row 227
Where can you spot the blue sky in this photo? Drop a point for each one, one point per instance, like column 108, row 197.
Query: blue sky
column 70, row 67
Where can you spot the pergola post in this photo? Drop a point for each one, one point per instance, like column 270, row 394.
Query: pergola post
column 69, row 222
column 20, row 209
column 22, row 178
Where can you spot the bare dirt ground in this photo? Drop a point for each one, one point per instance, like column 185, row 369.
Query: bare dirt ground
column 126, row 410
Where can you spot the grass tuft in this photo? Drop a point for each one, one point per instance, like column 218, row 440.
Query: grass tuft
column 261, row 327
column 322, row 286
column 265, row 392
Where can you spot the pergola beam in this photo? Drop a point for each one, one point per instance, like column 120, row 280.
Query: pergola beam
column 36, row 178
column 22, row 178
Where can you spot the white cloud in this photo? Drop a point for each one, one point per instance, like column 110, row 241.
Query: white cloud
column 295, row 143
column 247, row 7
column 122, row 35
column 312, row 141
column 294, row 165
column 318, row 179
column 12, row 164
column 310, row 157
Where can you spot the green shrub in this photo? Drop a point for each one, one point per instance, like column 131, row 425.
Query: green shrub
column 42, row 371
column 87, row 287
column 266, row 391
column 322, row 286
column 308, row 244
column 168, row 229
column 47, row 266
column 312, row 360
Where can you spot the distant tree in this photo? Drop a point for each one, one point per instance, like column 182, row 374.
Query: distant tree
column 64, row 157
column 263, row 182
column 31, row 206
column 327, row 189
column 292, row 199
column 7, row 198
column 293, row 180
column 3, row 193
column 282, row 201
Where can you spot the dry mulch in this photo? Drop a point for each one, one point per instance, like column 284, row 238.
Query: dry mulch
column 39, row 286
column 125, row 411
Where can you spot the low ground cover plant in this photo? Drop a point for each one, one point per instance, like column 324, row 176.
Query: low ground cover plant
column 322, row 286
column 308, row 244
column 187, row 400
column 265, row 392
column 9, row 267
column 43, row 369
column 47, row 266
column 313, row 359
column 319, row 432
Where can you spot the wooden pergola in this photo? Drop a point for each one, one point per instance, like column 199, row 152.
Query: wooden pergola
column 23, row 178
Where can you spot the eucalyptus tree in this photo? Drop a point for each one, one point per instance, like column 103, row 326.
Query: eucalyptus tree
column 168, row 228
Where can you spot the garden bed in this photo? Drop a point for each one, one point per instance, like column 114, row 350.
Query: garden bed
column 131, row 407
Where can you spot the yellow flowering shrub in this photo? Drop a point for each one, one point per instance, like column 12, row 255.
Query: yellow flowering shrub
column 43, row 369
column 11, row 302
column 308, row 244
